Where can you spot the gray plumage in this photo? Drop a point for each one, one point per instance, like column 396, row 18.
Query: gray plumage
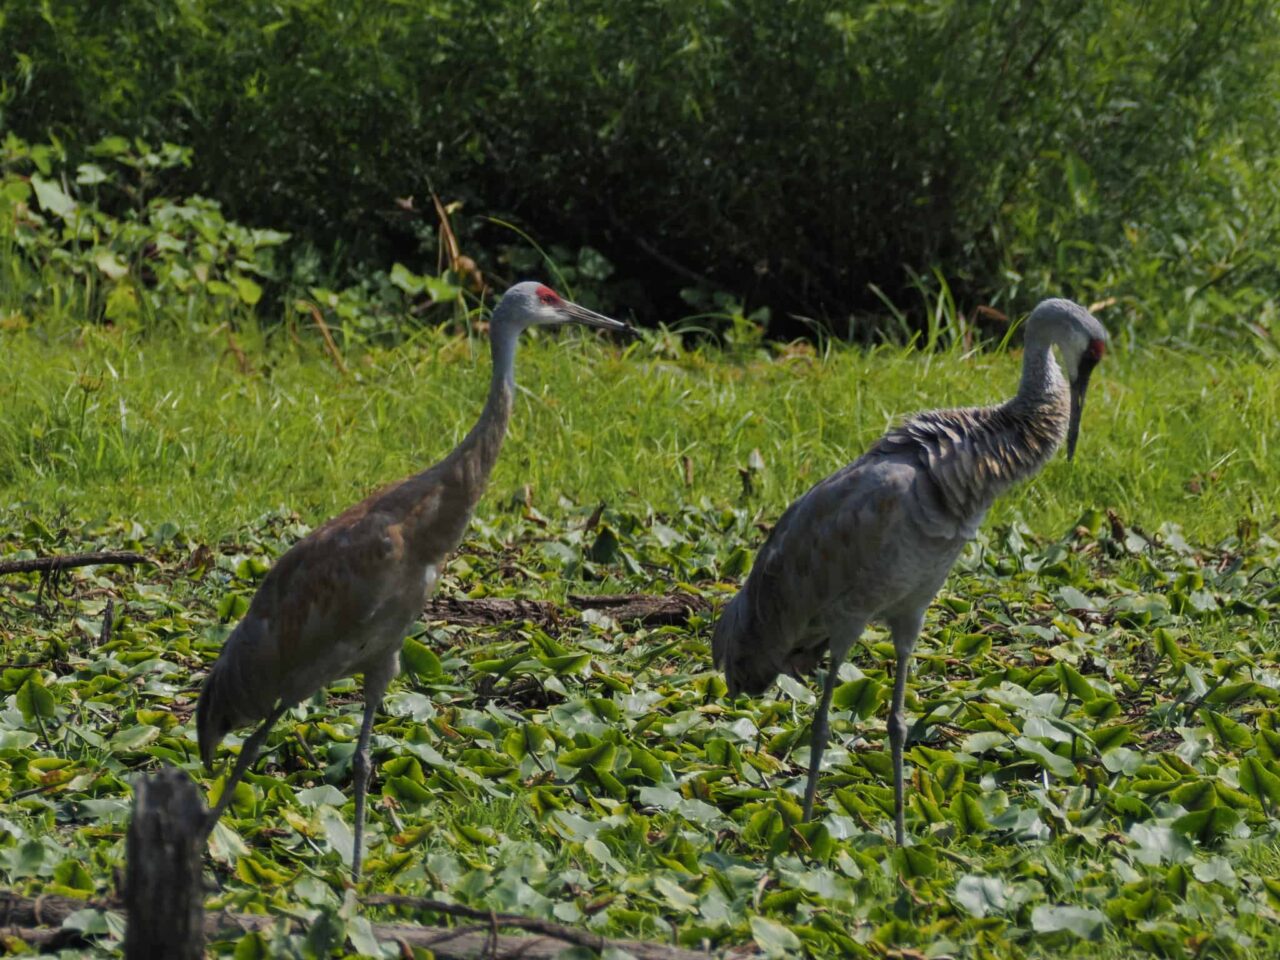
column 876, row 539
column 341, row 600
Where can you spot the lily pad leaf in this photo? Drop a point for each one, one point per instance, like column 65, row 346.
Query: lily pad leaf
column 1085, row 922
column 773, row 938
column 1059, row 766
column 862, row 696
column 981, row 895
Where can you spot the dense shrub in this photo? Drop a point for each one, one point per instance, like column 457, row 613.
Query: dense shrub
column 91, row 243
column 793, row 154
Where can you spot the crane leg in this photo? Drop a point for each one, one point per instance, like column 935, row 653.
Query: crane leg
column 897, row 740
column 248, row 753
column 905, row 632
column 375, row 685
column 819, row 734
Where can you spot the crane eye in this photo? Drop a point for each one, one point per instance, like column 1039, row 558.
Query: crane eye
column 548, row 296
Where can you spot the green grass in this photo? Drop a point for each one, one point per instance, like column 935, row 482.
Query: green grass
column 170, row 429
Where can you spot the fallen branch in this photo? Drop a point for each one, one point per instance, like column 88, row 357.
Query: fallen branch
column 557, row 931
column 54, row 564
column 580, row 938
column 37, row 921
column 472, row 613
column 648, row 609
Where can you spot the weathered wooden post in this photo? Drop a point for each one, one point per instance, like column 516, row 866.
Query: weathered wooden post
column 163, row 894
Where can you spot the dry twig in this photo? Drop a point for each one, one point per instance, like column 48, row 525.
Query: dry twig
column 323, row 327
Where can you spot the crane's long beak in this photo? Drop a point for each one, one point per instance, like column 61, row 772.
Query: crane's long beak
column 576, row 314
column 1079, row 386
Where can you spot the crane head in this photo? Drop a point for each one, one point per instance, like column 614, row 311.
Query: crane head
column 1085, row 363
column 213, row 720
column 532, row 304
column 1082, row 340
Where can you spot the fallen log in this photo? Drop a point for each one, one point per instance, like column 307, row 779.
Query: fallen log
column 489, row 611
column 648, row 609
column 54, row 564
column 38, row 920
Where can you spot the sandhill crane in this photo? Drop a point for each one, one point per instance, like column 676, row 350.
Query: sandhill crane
column 340, row 601
column 876, row 539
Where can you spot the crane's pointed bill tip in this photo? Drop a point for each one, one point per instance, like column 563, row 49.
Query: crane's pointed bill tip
column 590, row 318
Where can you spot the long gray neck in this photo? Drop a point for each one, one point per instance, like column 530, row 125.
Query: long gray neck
column 977, row 453
column 478, row 451
column 1034, row 421
column 1042, row 381
column 432, row 507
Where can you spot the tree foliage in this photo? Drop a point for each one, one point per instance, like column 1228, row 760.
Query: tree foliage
column 790, row 154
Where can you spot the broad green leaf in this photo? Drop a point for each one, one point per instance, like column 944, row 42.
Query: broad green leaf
column 1058, row 766
column 567, row 665
column 1259, row 782
column 248, row 290
column 1226, row 731
column 1085, row 922
column 1272, row 886
column 861, row 696
column 967, row 815
column 232, row 606
column 323, row 794
column 408, row 281
column 34, row 700
column 419, row 660
column 1207, row 825
column 1075, row 683
column 773, row 938
column 135, row 738
column 110, row 265
column 1157, row 844
column 1122, row 760
column 598, row 757
column 1197, row 795
column 51, row 197
column 916, row 861
column 14, row 740
column 1108, row 738
column 1073, row 599
column 981, row 896
column 679, row 898
column 971, row 646
column 1229, row 693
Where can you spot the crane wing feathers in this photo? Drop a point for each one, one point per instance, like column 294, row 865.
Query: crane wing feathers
column 338, row 601
column 884, row 528
column 877, row 538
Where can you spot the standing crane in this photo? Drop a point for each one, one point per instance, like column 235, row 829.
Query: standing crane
column 876, row 539
column 340, row 601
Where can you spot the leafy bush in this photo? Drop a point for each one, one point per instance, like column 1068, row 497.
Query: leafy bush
column 791, row 156
column 161, row 258
column 159, row 262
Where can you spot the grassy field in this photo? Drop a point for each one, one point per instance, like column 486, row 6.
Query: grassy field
column 156, row 430
column 1095, row 746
